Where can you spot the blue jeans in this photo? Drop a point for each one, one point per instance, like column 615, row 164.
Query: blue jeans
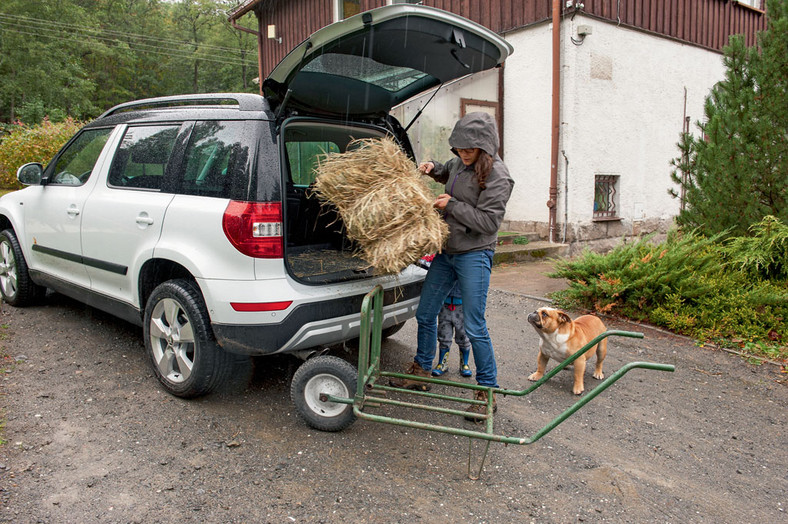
column 472, row 270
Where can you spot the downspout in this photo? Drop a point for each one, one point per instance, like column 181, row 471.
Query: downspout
column 501, row 126
column 566, row 196
column 259, row 35
column 556, row 121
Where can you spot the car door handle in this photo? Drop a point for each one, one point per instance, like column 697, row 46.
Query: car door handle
column 144, row 220
column 73, row 211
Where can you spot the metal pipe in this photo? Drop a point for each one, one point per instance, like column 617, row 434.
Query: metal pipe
column 259, row 34
column 566, row 196
column 556, row 122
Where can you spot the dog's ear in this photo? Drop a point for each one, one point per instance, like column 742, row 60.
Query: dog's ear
column 564, row 318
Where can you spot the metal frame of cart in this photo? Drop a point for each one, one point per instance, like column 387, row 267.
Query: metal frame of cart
column 327, row 398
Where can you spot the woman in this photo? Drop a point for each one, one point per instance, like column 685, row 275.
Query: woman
column 478, row 187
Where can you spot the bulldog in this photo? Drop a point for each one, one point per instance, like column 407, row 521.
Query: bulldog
column 561, row 337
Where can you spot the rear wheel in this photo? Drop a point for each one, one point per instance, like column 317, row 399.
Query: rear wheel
column 16, row 286
column 180, row 343
column 324, row 375
column 387, row 332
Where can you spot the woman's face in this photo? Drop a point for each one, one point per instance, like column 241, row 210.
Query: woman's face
column 468, row 156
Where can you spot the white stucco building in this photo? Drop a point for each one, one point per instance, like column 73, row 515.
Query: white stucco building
column 624, row 98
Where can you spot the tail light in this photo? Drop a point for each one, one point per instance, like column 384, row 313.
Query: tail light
column 254, row 228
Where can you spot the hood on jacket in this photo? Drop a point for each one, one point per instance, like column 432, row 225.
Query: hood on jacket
column 475, row 130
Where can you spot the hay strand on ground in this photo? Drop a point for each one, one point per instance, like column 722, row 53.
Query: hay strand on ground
column 384, row 203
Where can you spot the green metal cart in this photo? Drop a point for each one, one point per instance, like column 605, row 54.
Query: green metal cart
column 330, row 394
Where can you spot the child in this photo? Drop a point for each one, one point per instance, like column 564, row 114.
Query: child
column 451, row 320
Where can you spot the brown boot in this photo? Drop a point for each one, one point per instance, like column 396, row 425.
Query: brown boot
column 480, row 409
column 413, row 369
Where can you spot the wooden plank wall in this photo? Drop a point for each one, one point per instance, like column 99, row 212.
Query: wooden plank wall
column 499, row 15
column 706, row 23
column 294, row 21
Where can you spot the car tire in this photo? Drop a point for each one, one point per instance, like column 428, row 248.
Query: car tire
column 389, row 331
column 16, row 287
column 324, row 374
column 180, row 343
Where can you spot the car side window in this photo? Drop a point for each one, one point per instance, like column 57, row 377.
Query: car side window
column 76, row 162
column 215, row 154
column 141, row 159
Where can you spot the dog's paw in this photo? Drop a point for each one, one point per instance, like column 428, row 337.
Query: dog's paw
column 599, row 376
column 577, row 391
column 533, row 377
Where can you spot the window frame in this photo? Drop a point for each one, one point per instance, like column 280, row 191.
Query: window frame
column 611, row 182
column 756, row 5
column 339, row 9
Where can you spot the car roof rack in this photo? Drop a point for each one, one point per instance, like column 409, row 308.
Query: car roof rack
column 244, row 101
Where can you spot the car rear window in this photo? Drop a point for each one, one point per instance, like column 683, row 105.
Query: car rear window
column 215, row 154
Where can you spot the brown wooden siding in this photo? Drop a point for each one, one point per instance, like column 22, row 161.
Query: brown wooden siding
column 706, row 23
column 499, row 15
column 294, row 21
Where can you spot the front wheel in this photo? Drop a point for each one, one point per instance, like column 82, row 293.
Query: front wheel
column 324, row 375
column 180, row 343
column 16, row 286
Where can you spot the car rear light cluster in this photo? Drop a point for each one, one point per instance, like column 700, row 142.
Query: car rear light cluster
column 254, row 228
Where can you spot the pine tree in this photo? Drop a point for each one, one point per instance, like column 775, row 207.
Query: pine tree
column 736, row 171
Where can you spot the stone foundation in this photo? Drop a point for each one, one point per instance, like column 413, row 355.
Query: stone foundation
column 597, row 236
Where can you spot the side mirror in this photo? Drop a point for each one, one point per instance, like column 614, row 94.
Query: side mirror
column 30, row 174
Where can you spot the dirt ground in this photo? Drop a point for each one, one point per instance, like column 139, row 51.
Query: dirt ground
column 92, row 438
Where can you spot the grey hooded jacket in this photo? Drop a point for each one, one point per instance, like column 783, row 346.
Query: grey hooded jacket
column 474, row 214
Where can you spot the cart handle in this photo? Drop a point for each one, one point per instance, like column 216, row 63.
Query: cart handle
column 547, row 376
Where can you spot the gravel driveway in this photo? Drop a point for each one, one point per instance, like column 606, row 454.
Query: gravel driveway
column 92, row 438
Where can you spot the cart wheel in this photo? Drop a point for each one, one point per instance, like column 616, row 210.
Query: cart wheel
column 324, row 374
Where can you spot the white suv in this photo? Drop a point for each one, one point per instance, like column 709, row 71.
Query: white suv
column 192, row 216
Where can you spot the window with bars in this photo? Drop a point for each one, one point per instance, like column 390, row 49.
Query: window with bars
column 606, row 197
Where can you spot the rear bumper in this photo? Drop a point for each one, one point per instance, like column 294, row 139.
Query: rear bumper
column 316, row 324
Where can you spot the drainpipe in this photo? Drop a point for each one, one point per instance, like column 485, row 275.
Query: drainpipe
column 259, row 35
column 556, row 122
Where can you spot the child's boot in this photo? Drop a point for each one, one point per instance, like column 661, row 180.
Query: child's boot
column 465, row 369
column 443, row 363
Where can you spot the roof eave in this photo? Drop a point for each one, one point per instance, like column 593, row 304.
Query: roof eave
column 242, row 9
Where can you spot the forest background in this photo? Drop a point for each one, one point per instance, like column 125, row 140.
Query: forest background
column 77, row 58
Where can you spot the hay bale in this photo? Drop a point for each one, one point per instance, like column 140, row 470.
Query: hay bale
column 384, row 203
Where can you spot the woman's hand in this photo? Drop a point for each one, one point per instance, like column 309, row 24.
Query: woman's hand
column 426, row 167
column 441, row 201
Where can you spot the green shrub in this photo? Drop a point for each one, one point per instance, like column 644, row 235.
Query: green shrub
column 764, row 254
column 37, row 143
column 692, row 285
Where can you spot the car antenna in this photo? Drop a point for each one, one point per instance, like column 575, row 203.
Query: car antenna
column 421, row 110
